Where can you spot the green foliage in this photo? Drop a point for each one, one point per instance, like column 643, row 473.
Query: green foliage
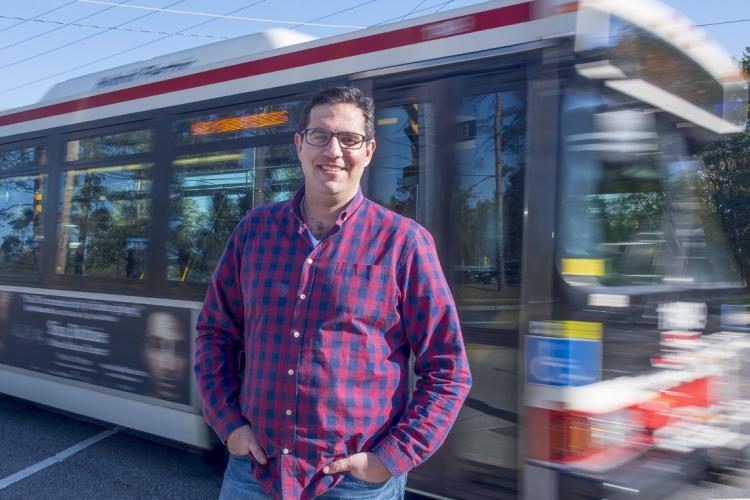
column 727, row 179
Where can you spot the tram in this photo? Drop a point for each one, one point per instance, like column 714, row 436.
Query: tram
column 548, row 146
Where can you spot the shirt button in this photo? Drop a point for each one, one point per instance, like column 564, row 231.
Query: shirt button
column 302, row 296
column 296, row 334
column 285, row 451
column 309, row 261
column 289, row 412
column 291, row 372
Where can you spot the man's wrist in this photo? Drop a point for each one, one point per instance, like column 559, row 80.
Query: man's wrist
column 384, row 453
column 228, row 426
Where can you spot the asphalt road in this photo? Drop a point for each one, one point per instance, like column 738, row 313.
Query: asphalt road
column 36, row 463
column 117, row 466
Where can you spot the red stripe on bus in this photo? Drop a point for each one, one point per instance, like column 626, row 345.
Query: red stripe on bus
column 495, row 18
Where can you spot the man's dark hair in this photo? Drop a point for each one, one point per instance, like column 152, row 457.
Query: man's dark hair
column 342, row 95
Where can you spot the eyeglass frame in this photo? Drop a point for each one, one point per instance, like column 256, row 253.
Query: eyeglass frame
column 333, row 134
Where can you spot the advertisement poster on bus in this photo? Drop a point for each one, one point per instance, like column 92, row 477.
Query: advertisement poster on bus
column 137, row 348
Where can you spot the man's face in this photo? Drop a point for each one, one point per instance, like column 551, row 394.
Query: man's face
column 165, row 355
column 331, row 170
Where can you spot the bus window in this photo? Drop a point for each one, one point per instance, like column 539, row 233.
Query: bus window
column 105, row 214
column 238, row 124
column 394, row 174
column 488, row 199
column 21, row 215
column 211, row 192
column 28, row 157
column 487, row 206
column 109, row 146
column 633, row 211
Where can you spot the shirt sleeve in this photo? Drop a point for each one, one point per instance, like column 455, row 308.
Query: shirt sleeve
column 430, row 320
column 219, row 341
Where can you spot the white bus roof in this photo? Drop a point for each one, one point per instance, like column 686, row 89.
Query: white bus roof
column 175, row 64
column 281, row 57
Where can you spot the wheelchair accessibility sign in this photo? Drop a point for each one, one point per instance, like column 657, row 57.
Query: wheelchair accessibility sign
column 563, row 362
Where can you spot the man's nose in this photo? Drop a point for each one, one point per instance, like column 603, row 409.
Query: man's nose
column 334, row 146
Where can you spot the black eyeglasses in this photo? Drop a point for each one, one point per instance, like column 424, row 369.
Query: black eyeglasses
column 321, row 137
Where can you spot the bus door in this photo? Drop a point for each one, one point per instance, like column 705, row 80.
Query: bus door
column 451, row 155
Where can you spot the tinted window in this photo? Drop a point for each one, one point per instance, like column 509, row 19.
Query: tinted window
column 395, row 167
column 487, row 204
column 488, row 196
column 211, row 192
column 109, row 146
column 31, row 156
column 21, row 210
column 105, row 215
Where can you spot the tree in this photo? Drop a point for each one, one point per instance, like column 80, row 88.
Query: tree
column 727, row 188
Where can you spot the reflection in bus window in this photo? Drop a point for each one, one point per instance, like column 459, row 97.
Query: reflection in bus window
column 109, row 146
column 210, row 194
column 238, row 123
column 28, row 157
column 489, row 196
column 394, row 175
column 105, row 214
column 632, row 206
column 487, row 205
column 21, row 209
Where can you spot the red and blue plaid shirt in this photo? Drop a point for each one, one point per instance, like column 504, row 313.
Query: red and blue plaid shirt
column 326, row 334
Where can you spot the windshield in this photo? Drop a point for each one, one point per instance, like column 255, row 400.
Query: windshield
column 633, row 206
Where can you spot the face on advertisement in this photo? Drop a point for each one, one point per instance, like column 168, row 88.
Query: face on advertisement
column 165, row 355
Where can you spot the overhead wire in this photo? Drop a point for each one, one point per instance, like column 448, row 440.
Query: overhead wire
column 440, row 6
column 412, row 10
column 203, row 23
column 38, row 35
column 23, row 21
column 5, row 91
column 725, row 22
column 55, row 49
column 335, row 13
column 445, row 5
column 129, row 30
column 424, row 9
column 222, row 16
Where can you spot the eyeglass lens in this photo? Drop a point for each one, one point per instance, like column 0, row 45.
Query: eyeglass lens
column 321, row 137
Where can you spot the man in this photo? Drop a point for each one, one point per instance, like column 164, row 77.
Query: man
column 165, row 353
column 326, row 295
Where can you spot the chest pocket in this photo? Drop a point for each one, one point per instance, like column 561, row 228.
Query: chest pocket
column 365, row 295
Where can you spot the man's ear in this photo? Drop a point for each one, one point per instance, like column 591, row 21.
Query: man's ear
column 298, row 143
column 370, row 149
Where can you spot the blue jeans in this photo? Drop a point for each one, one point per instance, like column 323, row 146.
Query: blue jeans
column 239, row 484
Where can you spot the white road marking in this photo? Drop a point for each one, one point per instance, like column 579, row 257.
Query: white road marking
column 33, row 469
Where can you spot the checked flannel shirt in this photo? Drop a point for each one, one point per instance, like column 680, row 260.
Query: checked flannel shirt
column 326, row 334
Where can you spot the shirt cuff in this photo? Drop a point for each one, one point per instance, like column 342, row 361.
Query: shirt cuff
column 229, row 424
column 396, row 461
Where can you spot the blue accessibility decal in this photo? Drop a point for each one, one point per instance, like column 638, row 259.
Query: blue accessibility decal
column 562, row 362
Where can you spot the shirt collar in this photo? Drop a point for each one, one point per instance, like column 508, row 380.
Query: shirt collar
column 346, row 213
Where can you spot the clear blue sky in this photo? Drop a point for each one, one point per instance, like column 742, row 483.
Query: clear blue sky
column 46, row 41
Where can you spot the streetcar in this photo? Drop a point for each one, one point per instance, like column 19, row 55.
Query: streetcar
column 548, row 146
